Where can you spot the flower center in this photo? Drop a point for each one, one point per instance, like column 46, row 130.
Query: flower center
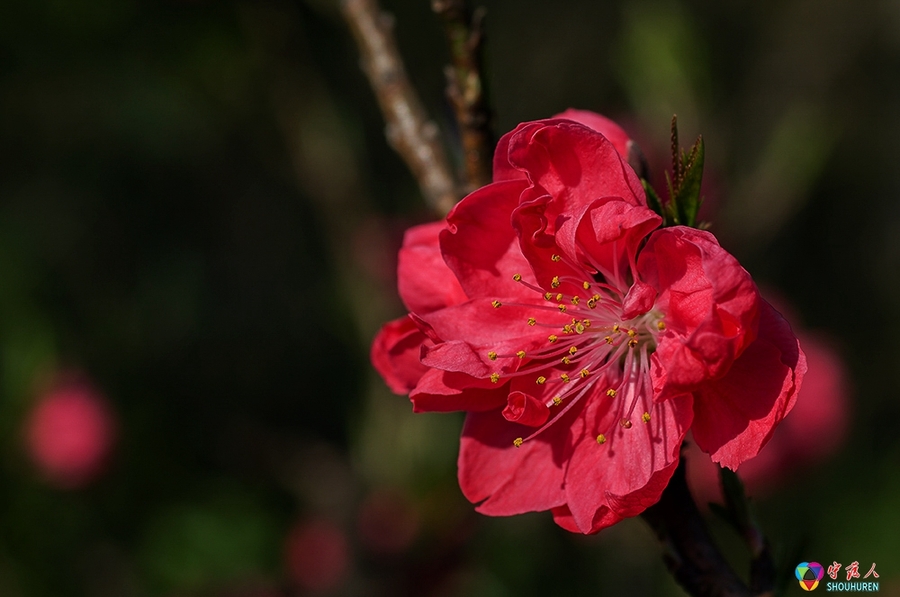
column 595, row 350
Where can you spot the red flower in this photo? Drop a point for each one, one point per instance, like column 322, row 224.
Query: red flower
column 583, row 341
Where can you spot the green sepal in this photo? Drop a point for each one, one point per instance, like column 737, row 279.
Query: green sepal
column 654, row 202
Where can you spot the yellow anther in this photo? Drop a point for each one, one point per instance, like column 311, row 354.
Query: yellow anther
column 591, row 303
column 554, row 283
column 532, row 321
column 596, row 297
column 625, row 423
column 601, row 439
column 585, row 284
column 586, row 322
column 540, row 380
column 573, row 349
column 552, row 338
column 521, row 354
column 562, row 308
column 660, row 325
column 632, row 333
column 565, row 360
column 564, row 377
column 645, row 417
column 492, row 355
column 579, row 327
column 557, row 400
column 517, row 277
column 584, row 373
column 518, row 442
column 555, row 258
column 611, row 393
column 633, row 342
column 567, row 329
column 575, row 300
column 548, row 296
column 609, row 340
column 496, row 304
column 559, row 297
column 615, row 328
column 495, row 377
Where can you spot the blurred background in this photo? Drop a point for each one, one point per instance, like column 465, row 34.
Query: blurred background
column 199, row 217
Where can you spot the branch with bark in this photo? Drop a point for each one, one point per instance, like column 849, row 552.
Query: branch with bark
column 409, row 130
column 466, row 90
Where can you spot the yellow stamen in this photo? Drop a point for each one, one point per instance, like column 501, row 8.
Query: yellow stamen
column 633, row 342
column 565, row 360
column 660, row 325
column 496, row 304
column 532, row 321
column 586, row 285
column 645, row 417
column 615, row 328
column 518, row 442
column 584, row 373
column 586, row 322
column 567, row 329
column 573, row 349
column 555, row 257
column 575, row 300
column 625, row 423
column 557, row 400
column 608, row 340
column 492, row 355
column 552, row 338
column 554, row 283
column 564, row 377
column 548, row 296
column 517, row 277
column 611, row 393
column 559, row 297
column 601, row 439
column 632, row 333
column 521, row 354
column 562, row 308
column 579, row 327
column 495, row 377
column 540, row 380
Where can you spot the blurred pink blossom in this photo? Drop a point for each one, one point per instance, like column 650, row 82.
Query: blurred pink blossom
column 70, row 433
column 316, row 555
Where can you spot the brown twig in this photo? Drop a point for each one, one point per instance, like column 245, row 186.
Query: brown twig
column 465, row 88
column 691, row 555
column 409, row 130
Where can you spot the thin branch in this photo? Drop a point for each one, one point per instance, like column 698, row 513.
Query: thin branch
column 409, row 130
column 691, row 555
column 465, row 88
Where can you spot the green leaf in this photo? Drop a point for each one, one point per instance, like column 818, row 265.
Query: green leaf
column 687, row 198
column 735, row 499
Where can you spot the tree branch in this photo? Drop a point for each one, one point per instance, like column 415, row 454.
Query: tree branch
column 465, row 88
column 691, row 555
column 409, row 131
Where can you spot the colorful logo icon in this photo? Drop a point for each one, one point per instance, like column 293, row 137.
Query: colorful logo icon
column 809, row 574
